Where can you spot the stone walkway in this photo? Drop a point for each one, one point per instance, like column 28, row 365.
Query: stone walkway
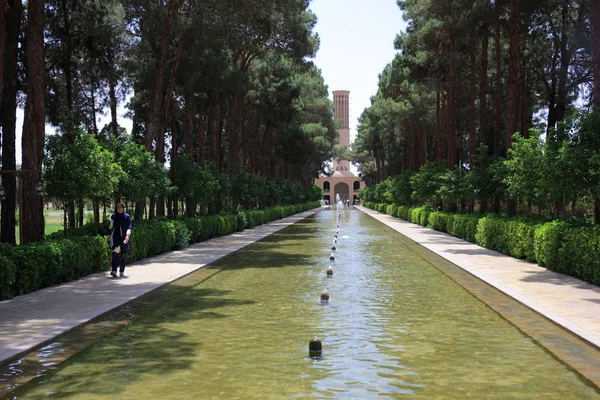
column 30, row 321
column 567, row 301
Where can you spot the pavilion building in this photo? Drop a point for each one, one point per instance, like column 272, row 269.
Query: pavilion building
column 343, row 181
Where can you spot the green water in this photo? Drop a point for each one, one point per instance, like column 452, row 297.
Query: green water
column 395, row 327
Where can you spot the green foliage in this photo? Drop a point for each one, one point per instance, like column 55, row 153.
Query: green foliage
column 8, row 275
column 578, row 254
column 426, row 184
column 182, row 235
column 438, row 220
column 464, row 226
column 82, row 169
column 48, row 263
column 547, row 243
column 142, row 176
column 512, row 236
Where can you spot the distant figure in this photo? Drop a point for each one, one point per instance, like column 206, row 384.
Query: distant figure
column 118, row 238
column 348, row 203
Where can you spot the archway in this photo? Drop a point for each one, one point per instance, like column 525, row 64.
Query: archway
column 326, row 186
column 343, row 190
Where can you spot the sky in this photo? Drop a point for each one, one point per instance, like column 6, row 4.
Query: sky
column 356, row 43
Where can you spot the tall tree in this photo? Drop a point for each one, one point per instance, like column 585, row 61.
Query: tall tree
column 8, row 117
column 34, row 125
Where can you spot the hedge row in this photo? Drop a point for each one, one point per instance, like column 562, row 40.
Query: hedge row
column 59, row 259
column 558, row 246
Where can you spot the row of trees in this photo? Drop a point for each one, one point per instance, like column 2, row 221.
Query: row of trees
column 121, row 168
column 548, row 175
column 222, row 84
column 472, row 73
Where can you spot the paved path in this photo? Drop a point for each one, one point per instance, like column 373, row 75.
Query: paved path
column 32, row 320
column 569, row 302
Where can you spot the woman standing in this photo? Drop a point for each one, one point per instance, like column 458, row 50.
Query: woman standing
column 118, row 237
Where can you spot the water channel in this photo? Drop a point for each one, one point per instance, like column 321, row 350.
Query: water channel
column 394, row 327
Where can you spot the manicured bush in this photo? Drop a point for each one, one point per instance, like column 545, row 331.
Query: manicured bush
column 24, row 269
column 438, row 220
column 579, row 253
column 7, row 277
column 403, row 212
column 514, row 236
column 391, row 209
column 183, row 235
column 464, row 226
column 420, row 215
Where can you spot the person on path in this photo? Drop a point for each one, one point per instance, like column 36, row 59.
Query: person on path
column 118, row 238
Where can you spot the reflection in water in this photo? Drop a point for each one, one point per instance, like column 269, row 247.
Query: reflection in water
column 394, row 327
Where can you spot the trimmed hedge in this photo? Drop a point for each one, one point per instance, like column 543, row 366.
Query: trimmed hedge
column 59, row 258
column 559, row 246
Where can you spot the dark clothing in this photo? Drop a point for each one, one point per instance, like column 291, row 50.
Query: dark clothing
column 120, row 227
column 119, row 259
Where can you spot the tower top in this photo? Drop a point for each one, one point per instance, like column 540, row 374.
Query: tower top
column 341, row 101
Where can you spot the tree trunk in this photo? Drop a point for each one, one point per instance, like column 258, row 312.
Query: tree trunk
column 96, row 210
column 34, row 125
column 484, row 134
column 174, row 206
column 8, row 117
column 161, row 64
column 595, row 30
column 512, row 110
column 2, row 34
column 202, row 135
column 472, row 110
column 67, row 61
column 438, row 116
column 71, row 214
column 162, row 123
column 140, row 207
column 112, row 95
column 498, row 89
column 81, row 212
column 565, row 61
column 451, row 120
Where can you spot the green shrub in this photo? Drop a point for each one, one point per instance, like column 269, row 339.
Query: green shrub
column 514, row 237
column 183, row 235
column 194, row 225
column 464, row 226
column 391, row 209
column 403, row 212
column 7, row 277
column 438, row 220
column 578, row 254
column 547, row 243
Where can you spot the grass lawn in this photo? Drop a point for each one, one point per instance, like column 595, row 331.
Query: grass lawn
column 53, row 223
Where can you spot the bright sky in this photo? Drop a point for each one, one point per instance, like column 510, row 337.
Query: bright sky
column 357, row 41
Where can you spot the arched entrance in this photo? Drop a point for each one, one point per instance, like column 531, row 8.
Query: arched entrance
column 343, row 190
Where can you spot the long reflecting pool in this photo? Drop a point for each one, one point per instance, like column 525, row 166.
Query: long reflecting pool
column 394, row 327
